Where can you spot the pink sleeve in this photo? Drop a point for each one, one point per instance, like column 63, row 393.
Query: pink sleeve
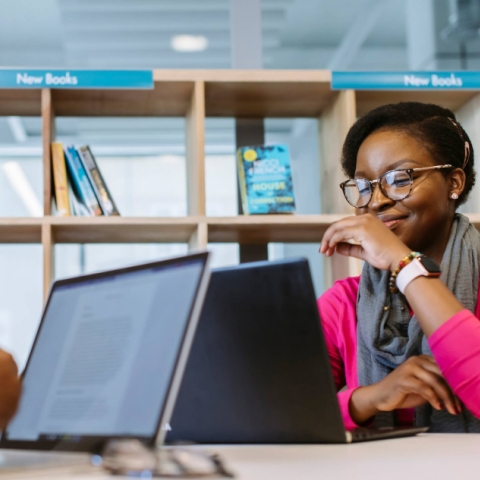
column 330, row 308
column 344, row 403
column 334, row 311
column 456, row 348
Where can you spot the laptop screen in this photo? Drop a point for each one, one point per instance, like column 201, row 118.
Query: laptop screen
column 106, row 351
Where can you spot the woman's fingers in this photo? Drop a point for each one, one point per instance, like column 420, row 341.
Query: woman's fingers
column 342, row 236
column 416, row 386
column 351, row 250
column 341, row 230
column 345, row 235
column 428, row 362
column 439, row 386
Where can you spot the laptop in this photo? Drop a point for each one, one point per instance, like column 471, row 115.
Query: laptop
column 258, row 370
column 108, row 357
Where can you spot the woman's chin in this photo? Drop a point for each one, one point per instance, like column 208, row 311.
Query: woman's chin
column 404, row 234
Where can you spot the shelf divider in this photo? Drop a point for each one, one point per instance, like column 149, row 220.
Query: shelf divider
column 199, row 238
column 334, row 125
column 195, row 151
column 48, row 258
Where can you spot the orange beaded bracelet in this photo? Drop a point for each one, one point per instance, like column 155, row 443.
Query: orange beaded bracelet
column 405, row 261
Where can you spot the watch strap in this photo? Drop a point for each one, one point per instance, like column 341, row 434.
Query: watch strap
column 411, row 271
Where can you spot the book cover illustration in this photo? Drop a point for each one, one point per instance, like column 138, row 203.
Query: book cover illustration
column 265, row 177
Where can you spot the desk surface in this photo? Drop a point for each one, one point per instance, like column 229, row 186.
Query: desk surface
column 424, row 457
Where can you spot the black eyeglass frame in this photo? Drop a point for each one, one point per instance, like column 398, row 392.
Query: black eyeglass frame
column 372, row 183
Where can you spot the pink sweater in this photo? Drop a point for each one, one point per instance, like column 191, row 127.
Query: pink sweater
column 455, row 346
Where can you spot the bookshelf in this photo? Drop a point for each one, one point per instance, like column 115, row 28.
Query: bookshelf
column 195, row 95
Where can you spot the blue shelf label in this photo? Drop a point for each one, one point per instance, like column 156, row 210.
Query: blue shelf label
column 406, row 80
column 33, row 78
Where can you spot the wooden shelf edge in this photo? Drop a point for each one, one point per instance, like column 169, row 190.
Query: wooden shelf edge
column 121, row 221
column 254, row 220
column 263, row 229
column 123, row 229
column 327, row 219
column 221, row 75
column 21, row 230
column 248, row 229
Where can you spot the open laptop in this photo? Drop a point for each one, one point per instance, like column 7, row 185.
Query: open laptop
column 108, row 357
column 258, row 370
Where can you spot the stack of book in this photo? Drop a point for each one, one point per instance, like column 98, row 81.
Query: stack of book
column 80, row 189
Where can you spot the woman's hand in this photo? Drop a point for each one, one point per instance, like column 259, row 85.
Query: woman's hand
column 374, row 242
column 10, row 388
column 414, row 383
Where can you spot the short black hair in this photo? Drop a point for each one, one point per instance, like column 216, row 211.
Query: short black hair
column 433, row 126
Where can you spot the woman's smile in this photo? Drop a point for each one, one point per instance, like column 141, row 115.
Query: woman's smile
column 392, row 221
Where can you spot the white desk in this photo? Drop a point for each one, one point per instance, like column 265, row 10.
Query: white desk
column 436, row 457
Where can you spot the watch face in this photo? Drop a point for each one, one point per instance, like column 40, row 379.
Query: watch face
column 430, row 265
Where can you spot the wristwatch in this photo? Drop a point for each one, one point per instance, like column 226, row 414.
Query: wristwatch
column 420, row 265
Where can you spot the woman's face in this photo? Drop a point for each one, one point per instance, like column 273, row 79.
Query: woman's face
column 423, row 219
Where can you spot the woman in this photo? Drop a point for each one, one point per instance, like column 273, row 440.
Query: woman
column 413, row 356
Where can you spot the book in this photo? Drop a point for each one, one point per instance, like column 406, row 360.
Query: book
column 77, row 207
column 265, row 179
column 60, row 180
column 98, row 183
column 80, row 182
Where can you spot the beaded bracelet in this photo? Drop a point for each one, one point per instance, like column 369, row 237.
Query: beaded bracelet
column 405, row 261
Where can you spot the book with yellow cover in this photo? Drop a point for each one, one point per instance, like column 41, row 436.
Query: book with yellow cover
column 60, row 180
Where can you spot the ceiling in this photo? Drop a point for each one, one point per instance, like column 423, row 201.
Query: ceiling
column 137, row 34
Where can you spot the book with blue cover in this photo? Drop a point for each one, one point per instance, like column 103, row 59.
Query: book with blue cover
column 265, row 177
column 80, row 181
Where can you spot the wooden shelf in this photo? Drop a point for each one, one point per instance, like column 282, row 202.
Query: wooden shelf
column 122, row 229
column 248, row 229
column 227, row 93
column 244, row 76
column 20, row 102
column 195, row 95
column 241, row 229
column 21, row 230
column 269, row 228
column 268, row 94
column 454, row 99
column 170, row 99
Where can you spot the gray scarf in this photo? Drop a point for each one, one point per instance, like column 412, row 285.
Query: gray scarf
column 387, row 336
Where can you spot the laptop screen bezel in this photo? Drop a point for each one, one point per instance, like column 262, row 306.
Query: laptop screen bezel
column 95, row 443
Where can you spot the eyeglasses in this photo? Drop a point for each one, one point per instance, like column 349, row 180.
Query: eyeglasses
column 394, row 184
column 132, row 458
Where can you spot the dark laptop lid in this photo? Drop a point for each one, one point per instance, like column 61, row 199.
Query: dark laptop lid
column 108, row 357
column 258, row 370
